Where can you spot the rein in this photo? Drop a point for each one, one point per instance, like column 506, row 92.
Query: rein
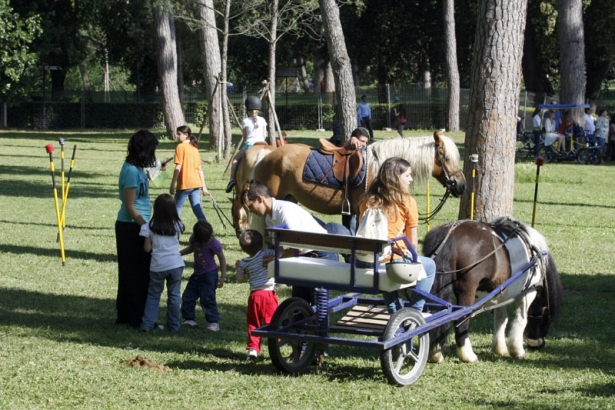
column 450, row 182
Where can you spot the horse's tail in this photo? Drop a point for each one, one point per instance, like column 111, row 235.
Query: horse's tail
column 545, row 308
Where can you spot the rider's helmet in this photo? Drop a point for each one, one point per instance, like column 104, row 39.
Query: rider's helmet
column 253, row 103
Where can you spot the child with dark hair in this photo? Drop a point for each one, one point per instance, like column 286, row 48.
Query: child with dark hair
column 263, row 300
column 204, row 281
column 162, row 240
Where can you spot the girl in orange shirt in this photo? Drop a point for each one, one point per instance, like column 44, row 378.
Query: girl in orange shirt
column 188, row 180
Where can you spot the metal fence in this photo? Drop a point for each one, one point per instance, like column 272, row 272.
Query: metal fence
column 426, row 108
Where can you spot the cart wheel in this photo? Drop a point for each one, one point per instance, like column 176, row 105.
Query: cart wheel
column 548, row 153
column 583, row 156
column 404, row 363
column 292, row 356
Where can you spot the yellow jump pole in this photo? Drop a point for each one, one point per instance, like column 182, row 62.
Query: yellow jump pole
column 539, row 162
column 61, row 141
column 65, row 197
column 49, row 149
column 474, row 159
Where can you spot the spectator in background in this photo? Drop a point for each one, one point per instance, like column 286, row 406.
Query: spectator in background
column 401, row 119
column 602, row 130
column 551, row 135
column 536, row 129
column 590, row 126
column 365, row 116
column 612, row 137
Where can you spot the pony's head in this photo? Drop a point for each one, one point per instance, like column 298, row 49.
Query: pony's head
column 446, row 164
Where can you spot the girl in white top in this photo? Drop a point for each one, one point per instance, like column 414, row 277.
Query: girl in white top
column 254, row 129
column 162, row 240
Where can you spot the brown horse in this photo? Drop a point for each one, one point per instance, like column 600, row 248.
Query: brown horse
column 282, row 172
column 476, row 257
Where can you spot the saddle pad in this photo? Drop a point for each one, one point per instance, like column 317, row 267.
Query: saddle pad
column 325, row 271
column 519, row 258
column 318, row 165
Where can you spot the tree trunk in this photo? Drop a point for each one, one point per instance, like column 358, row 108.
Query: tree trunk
column 572, row 51
column 167, row 67
column 305, row 81
column 273, row 40
column 452, row 70
column 212, row 67
column 228, row 136
column 494, row 101
column 342, row 70
column 87, row 87
column 180, row 66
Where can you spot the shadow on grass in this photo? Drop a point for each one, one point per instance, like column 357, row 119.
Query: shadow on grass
column 88, row 320
column 53, row 252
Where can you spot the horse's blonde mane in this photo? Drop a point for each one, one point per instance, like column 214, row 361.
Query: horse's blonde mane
column 418, row 151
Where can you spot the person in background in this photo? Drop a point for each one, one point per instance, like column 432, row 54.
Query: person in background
column 590, row 126
column 401, row 119
column 162, row 240
column 389, row 192
column 204, row 282
column 263, row 300
column 364, row 113
column 135, row 210
column 602, row 130
column 551, row 136
column 188, row 180
column 536, row 129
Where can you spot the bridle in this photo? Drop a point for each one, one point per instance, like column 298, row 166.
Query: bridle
column 449, row 183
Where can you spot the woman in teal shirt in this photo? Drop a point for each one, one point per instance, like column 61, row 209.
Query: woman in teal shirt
column 133, row 262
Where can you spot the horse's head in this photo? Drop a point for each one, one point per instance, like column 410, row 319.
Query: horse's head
column 446, row 166
column 240, row 215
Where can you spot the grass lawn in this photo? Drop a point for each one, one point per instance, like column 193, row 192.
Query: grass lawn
column 60, row 347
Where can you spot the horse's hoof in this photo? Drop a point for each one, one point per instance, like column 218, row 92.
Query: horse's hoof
column 436, row 358
column 535, row 344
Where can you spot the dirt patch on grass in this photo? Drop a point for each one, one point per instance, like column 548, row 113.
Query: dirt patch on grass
column 146, row 363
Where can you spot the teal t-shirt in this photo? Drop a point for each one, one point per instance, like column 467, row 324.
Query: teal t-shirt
column 133, row 177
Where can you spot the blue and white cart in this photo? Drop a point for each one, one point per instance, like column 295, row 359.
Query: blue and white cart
column 300, row 332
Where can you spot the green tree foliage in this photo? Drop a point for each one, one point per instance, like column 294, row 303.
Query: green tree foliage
column 16, row 36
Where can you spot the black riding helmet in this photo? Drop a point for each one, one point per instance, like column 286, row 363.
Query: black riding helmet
column 253, row 103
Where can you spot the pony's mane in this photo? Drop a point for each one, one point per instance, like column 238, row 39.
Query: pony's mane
column 418, row 151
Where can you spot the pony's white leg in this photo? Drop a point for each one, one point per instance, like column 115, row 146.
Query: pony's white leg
column 465, row 352
column 515, row 335
column 498, row 344
column 435, row 354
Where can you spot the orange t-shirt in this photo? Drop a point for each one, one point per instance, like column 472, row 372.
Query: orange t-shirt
column 398, row 222
column 190, row 159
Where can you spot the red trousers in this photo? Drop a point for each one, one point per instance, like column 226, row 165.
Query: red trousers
column 261, row 306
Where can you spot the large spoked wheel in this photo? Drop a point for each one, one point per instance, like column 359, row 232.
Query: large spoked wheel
column 404, row 363
column 583, row 156
column 292, row 356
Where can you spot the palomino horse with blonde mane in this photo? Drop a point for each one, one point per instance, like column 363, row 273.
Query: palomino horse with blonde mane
column 281, row 170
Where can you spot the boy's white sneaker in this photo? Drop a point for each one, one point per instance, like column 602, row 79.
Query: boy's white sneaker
column 252, row 355
column 214, row 327
column 189, row 323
